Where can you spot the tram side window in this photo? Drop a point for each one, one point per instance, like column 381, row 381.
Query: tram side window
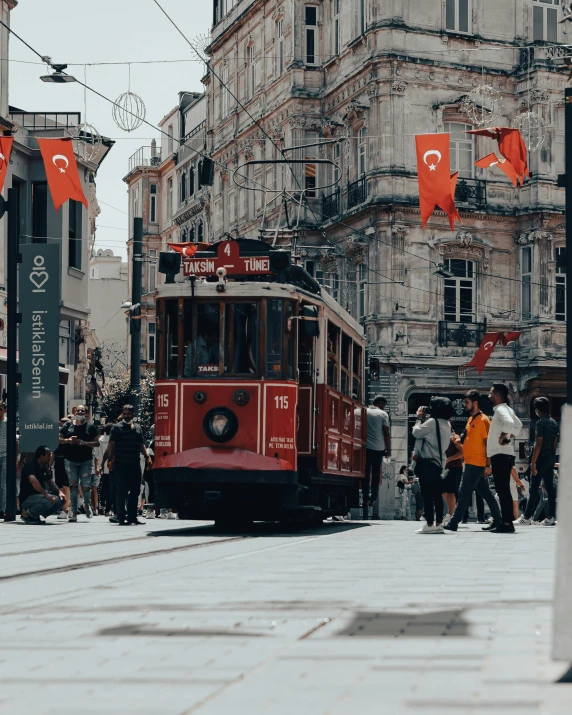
column 172, row 353
column 357, row 373
column 241, row 339
column 275, row 331
column 305, row 356
column 333, row 356
column 291, row 338
column 202, row 353
column 346, row 364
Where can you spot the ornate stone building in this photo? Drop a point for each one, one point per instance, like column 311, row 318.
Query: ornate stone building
column 165, row 190
column 371, row 74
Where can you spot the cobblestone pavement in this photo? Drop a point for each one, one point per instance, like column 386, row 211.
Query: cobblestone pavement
column 173, row 617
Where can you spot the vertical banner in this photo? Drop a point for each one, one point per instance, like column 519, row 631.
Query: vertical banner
column 39, row 346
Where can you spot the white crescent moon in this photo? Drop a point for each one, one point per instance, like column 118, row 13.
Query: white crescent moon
column 432, row 151
column 486, row 346
column 2, row 157
column 61, row 156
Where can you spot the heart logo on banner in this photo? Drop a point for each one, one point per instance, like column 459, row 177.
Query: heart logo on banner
column 39, row 278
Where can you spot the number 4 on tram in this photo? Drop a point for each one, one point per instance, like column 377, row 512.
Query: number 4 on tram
column 259, row 399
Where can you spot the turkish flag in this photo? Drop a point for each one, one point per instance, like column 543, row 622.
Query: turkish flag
column 510, row 338
column 61, row 171
column 188, row 249
column 486, row 347
column 436, row 185
column 507, row 168
column 511, row 146
column 5, row 151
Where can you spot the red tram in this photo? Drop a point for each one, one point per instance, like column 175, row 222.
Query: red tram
column 259, row 404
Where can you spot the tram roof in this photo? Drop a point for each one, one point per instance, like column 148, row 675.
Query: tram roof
column 255, row 289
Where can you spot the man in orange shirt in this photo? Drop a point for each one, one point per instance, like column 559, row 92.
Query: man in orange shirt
column 477, row 464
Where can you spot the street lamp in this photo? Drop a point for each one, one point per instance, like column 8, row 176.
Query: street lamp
column 58, row 76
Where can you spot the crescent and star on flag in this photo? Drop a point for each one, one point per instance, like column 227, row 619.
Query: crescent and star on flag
column 435, row 152
column 61, row 157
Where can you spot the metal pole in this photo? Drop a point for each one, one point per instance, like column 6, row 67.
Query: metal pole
column 137, row 260
column 568, row 169
column 12, row 367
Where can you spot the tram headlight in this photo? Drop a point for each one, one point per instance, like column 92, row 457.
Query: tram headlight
column 220, row 424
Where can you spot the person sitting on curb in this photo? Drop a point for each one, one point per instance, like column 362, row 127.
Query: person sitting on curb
column 39, row 494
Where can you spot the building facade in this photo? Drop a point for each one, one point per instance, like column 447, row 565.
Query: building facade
column 107, row 293
column 165, row 190
column 360, row 78
column 72, row 229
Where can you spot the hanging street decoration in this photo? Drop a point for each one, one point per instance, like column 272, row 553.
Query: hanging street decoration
column 129, row 111
column 483, row 105
column 436, row 184
column 5, row 151
column 87, row 141
column 533, row 129
column 61, row 171
column 188, row 249
column 491, row 160
column 511, row 146
column 487, row 346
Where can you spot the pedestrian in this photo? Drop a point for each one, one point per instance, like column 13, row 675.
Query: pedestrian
column 378, row 446
column 39, row 494
column 517, row 487
column 542, row 464
column 403, row 488
column 3, row 442
column 454, row 471
column 477, row 465
column 505, row 425
column 80, row 438
column 125, row 445
column 58, row 466
column 107, row 476
column 432, row 433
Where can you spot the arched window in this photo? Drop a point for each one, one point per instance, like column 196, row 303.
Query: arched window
column 459, row 291
column 462, row 149
column 192, row 235
column 192, row 180
column 200, row 232
column 184, row 235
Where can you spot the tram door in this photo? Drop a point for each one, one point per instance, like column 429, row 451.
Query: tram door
column 306, row 393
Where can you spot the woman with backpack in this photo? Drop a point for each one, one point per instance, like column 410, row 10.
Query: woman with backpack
column 432, row 433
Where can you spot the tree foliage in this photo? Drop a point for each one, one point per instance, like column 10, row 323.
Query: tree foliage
column 117, row 393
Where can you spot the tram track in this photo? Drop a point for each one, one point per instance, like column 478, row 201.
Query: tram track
column 114, row 559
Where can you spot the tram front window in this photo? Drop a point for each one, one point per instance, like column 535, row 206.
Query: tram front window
column 202, row 353
column 241, row 339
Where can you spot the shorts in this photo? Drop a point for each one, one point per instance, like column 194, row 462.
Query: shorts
column 452, row 480
column 94, row 480
column 60, row 474
column 419, row 502
column 513, row 490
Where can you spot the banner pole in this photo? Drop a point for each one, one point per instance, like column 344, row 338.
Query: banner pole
column 13, row 258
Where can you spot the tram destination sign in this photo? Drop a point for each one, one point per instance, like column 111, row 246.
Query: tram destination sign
column 228, row 257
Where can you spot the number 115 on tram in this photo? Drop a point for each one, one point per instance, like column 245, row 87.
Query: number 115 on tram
column 259, row 398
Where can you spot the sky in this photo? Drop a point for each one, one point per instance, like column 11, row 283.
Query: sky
column 79, row 32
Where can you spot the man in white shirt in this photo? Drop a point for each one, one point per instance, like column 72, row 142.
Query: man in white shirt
column 505, row 425
column 378, row 446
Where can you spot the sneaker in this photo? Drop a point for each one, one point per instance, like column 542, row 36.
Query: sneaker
column 150, row 514
column 72, row 517
column 549, row 522
column 63, row 516
column 163, row 514
column 439, row 529
column 426, row 529
column 137, row 522
column 523, row 520
column 450, row 527
column 30, row 520
column 171, row 515
column 114, row 520
column 503, row 529
column 447, row 519
column 88, row 512
column 490, row 527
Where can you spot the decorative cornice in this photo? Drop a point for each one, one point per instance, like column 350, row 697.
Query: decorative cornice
column 399, row 231
column 399, row 87
column 525, row 239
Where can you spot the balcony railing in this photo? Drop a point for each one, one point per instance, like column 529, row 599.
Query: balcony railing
column 145, row 156
column 357, row 192
column 461, row 334
column 46, row 120
column 471, row 193
column 331, row 204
